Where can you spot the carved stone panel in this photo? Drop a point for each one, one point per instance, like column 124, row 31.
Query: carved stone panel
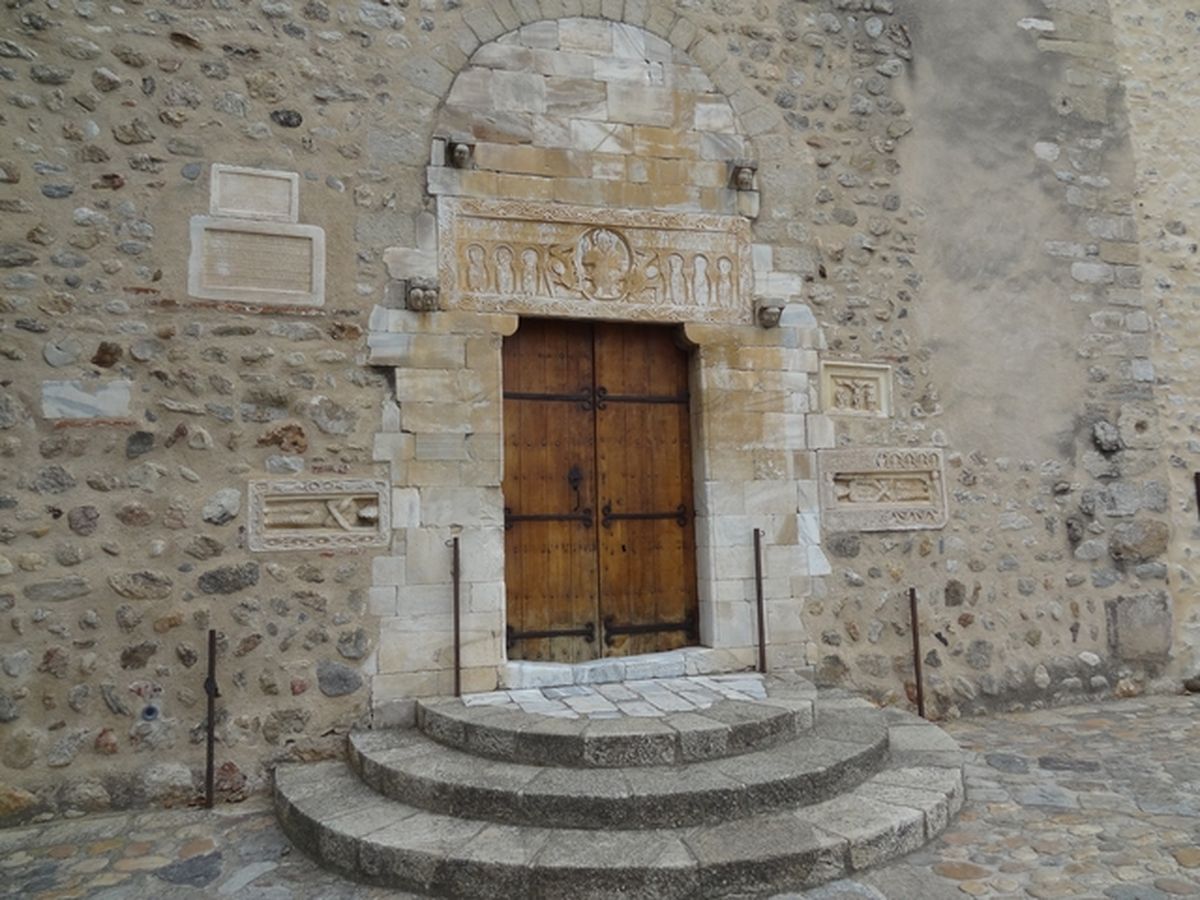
column 856, row 389
column 882, row 489
column 584, row 262
column 319, row 514
column 244, row 261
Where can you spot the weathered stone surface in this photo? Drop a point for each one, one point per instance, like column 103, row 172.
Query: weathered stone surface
column 1139, row 626
column 223, row 506
column 1138, row 541
column 143, row 585
column 336, row 679
column 83, row 520
column 229, row 579
column 58, row 590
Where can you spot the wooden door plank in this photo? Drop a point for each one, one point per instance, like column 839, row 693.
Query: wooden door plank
column 647, row 567
column 551, row 579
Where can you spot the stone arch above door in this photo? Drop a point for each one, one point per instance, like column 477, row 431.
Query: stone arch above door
column 588, row 168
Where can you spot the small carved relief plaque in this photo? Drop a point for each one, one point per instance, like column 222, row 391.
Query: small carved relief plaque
column 552, row 259
column 882, row 489
column 257, row 262
column 318, row 514
column 856, row 389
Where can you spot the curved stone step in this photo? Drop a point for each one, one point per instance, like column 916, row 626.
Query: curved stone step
column 348, row 827
column 407, row 766
column 726, row 728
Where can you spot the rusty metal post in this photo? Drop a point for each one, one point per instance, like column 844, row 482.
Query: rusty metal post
column 456, row 572
column 916, row 640
column 210, row 688
column 758, row 596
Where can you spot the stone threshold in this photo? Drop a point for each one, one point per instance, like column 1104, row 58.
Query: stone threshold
column 523, row 674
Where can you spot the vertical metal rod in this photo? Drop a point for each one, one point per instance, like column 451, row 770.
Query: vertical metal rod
column 916, row 636
column 456, row 567
column 210, row 688
column 758, row 596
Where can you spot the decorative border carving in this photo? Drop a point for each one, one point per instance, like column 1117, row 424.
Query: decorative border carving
column 329, row 529
column 202, row 227
column 857, row 389
column 550, row 259
column 882, row 489
column 224, row 177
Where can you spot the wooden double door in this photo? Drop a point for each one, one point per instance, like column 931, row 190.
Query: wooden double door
column 599, row 523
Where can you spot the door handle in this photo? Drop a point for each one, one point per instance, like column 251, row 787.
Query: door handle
column 575, row 479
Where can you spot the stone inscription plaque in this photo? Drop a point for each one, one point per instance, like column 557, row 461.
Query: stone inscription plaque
column 585, row 262
column 318, row 514
column 245, row 261
column 254, row 193
column 882, row 489
column 856, row 389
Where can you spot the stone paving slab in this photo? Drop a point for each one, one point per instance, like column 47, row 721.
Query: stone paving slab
column 1115, row 844
column 649, row 698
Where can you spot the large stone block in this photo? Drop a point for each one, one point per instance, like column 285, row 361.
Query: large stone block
column 1140, row 626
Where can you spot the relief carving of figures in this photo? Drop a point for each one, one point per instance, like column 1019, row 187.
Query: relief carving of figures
column 679, row 292
column 477, row 273
column 602, row 262
column 505, row 282
column 701, row 286
column 858, row 394
column 524, row 256
column 725, row 286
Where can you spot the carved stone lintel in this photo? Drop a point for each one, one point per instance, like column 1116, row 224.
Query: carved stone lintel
column 527, row 257
column 422, row 295
column 882, row 489
column 319, row 514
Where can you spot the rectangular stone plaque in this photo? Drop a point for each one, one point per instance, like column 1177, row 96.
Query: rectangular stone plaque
column 856, row 389
column 254, row 194
column 270, row 263
column 882, row 489
column 525, row 257
column 319, row 514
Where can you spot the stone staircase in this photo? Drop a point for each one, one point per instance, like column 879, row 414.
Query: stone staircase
column 740, row 798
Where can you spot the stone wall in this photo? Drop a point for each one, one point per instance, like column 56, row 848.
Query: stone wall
column 946, row 196
column 1158, row 59
column 1028, row 357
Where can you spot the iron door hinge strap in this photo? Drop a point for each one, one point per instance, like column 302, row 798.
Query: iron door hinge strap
column 587, row 632
column 613, row 629
column 679, row 514
column 584, row 516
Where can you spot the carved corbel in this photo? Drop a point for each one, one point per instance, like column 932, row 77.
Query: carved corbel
column 769, row 310
column 460, row 152
column 741, row 174
column 421, row 295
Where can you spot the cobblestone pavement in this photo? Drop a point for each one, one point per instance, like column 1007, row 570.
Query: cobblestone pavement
column 1098, row 801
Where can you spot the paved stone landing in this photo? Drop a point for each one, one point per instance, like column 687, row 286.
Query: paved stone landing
column 652, row 698
column 732, row 786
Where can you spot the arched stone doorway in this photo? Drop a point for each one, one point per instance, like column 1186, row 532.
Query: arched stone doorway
column 583, row 169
